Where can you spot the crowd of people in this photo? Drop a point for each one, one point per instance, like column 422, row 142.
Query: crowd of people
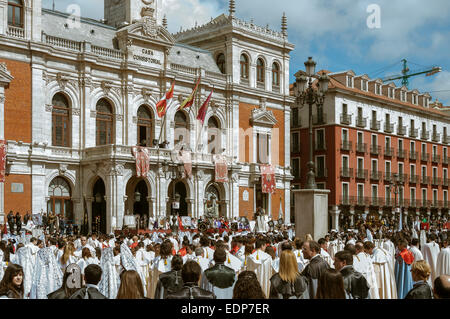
column 365, row 263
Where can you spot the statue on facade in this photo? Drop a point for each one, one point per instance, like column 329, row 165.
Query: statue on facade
column 212, row 211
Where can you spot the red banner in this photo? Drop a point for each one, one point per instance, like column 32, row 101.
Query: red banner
column 186, row 159
column 142, row 160
column 221, row 169
column 268, row 179
column 2, row 161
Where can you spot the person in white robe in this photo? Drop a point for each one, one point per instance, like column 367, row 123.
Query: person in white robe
column 33, row 248
column 384, row 273
column 25, row 259
column 430, row 253
column 200, row 258
column 414, row 248
column 443, row 262
column 363, row 264
column 129, row 262
column 261, row 263
column 389, row 246
column 110, row 282
column 83, row 243
column 47, row 276
column 161, row 264
column 143, row 262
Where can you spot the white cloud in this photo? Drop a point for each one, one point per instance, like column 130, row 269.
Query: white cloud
column 439, row 86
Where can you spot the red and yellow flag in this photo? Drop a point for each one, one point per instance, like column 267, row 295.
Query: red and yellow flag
column 162, row 105
column 190, row 99
column 202, row 112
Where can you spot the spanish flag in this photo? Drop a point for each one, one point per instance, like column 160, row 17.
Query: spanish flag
column 202, row 112
column 162, row 105
column 190, row 99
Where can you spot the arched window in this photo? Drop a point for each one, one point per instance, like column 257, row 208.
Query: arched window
column 181, row 128
column 275, row 74
column 60, row 121
column 244, row 66
column 104, row 134
column 15, row 13
column 60, row 198
column 144, row 126
column 214, row 141
column 260, row 71
column 221, row 62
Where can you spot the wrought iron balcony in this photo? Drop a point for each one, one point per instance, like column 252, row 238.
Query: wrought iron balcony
column 401, row 130
column 389, row 151
column 389, row 128
column 436, row 159
column 425, row 180
column 346, row 146
column 436, row 137
column 375, row 175
column 413, row 132
column 401, row 153
column 414, row 179
column 445, row 160
column 360, row 201
column 436, row 181
column 388, row 176
column 425, row 203
column 413, row 156
column 424, row 157
column 446, row 139
column 345, row 201
column 375, row 125
column 445, row 182
column 346, row 172
column 375, row 149
column 425, row 135
column 346, row 119
column 361, row 122
column 362, row 174
column 377, row 201
column 389, row 202
column 402, row 178
column 320, row 119
column 361, row 147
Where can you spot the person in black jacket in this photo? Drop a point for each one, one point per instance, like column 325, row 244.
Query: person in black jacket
column 72, row 274
column 18, row 223
column 92, row 276
column 11, row 285
column 288, row 283
column 317, row 265
column 11, row 221
column 220, row 278
column 190, row 273
column 355, row 283
column 170, row 282
column 420, row 271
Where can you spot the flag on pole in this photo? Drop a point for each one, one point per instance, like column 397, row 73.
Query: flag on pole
column 202, row 112
column 162, row 105
column 190, row 99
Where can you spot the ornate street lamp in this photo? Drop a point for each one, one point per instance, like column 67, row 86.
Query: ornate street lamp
column 306, row 94
column 395, row 186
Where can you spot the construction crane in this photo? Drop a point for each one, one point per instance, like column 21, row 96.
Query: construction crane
column 406, row 73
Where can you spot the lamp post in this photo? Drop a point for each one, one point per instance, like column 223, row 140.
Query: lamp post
column 395, row 186
column 307, row 94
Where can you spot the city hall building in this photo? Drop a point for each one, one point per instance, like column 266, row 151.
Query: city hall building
column 77, row 95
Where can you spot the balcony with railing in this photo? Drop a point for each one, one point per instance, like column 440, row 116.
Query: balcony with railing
column 425, row 203
column 375, row 175
column 346, row 146
column 375, row 150
column 445, row 139
column 445, row 182
column 346, row 172
column 425, row 135
column 436, row 137
column 389, row 202
column 361, row 147
column 401, row 130
column 362, row 174
column 424, row 157
column 445, row 160
column 425, row 180
column 377, row 201
column 388, row 177
column 320, row 119
column 436, row 159
column 360, row 201
column 413, row 156
column 346, row 119
column 401, row 153
column 402, row 178
column 436, row 181
column 345, row 201
column 361, row 122
column 15, row 32
column 375, row 125
column 413, row 132
column 389, row 128
column 414, row 179
column 389, row 151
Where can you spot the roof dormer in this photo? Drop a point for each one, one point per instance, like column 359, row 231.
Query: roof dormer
column 413, row 97
column 424, row 100
column 389, row 90
column 362, row 82
column 376, row 86
column 401, row 94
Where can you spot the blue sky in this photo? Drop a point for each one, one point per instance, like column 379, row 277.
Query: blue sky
column 335, row 32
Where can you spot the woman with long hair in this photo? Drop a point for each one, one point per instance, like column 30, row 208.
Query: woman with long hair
column 130, row 286
column 331, row 285
column 287, row 283
column 86, row 259
column 11, row 285
column 74, row 271
column 68, row 256
column 248, row 287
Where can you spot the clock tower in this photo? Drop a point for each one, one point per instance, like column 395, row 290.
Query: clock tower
column 119, row 11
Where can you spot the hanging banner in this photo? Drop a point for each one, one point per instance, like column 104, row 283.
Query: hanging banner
column 142, row 158
column 221, row 169
column 268, row 179
column 186, row 159
column 2, row 161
